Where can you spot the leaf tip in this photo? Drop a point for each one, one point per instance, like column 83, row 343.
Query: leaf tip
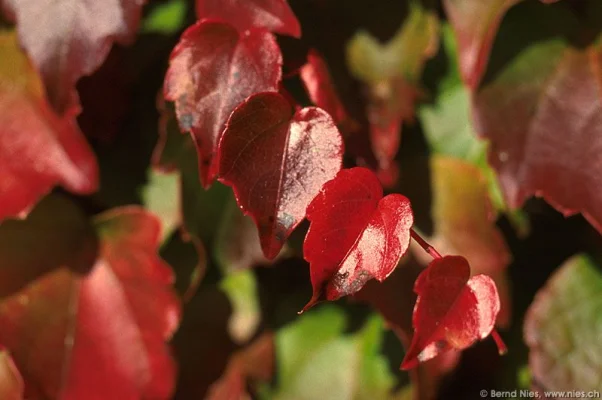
column 312, row 302
column 408, row 364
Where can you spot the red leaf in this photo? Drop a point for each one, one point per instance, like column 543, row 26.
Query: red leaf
column 70, row 38
column 543, row 118
column 99, row 336
column 273, row 15
column 320, row 87
column 394, row 299
column 213, row 69
column 11, row 382
column 453, row 310
column 475, row 23
column 355, row 234
column 38, row 148
column 277, row 162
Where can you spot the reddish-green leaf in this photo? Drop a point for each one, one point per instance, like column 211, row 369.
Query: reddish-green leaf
column 355, row 235
column 563, row 327
column 475, row 23
column 273, row 15
column 392, row 73
column 321, row 89
column 277, row 160
column 70, row 38
column 99, row 336
column 212, row 69
column 38, row 148
column 543, row 117
column 453, row 310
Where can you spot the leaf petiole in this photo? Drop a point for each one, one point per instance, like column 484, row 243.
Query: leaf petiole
column 424, row 244
column 501, row 346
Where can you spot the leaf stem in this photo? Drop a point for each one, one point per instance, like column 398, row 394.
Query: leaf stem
column 424, row 244
column 501, row 346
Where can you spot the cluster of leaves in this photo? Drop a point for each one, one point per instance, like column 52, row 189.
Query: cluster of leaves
column 259, row 125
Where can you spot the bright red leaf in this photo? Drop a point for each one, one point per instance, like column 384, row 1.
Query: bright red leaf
column 320, row 87
column 212, row 69
column 99, row 336
column 355, row 235
column 70, row 38
column 277, row 160
column 273, row 15
column 38, row 148
column 453, row 310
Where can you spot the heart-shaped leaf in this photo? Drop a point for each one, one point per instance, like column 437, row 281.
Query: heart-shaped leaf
column 99, row 336
column 453, row 310
column 355, row 235
column 68, row 39
column 212, row 69
column 464, row 222
column 277, row 160
column 273, row 15
column 543, row 116
column 38, row 148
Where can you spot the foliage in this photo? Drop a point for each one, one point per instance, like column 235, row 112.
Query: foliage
column 179, row 177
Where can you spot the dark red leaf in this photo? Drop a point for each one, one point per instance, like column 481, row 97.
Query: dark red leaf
column 212, row 69
column 273, row 15
column 38, row 148
column 453, row 310
column 99, row 336
column 355, row 234
column 55, row 234
column 70, row 38
column 543, row 118
column 320, row 87
column 277, row 161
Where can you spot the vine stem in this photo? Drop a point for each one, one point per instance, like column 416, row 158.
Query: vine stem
column 424, row 244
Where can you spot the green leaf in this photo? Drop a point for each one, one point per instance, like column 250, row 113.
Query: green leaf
column 166, row 18
column 161, row 196
column 316, row 361
column 403, row 56
column 241, row 289
column 563, row 328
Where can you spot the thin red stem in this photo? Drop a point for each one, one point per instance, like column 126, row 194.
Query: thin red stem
column 501, row 346
column 424, row 244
